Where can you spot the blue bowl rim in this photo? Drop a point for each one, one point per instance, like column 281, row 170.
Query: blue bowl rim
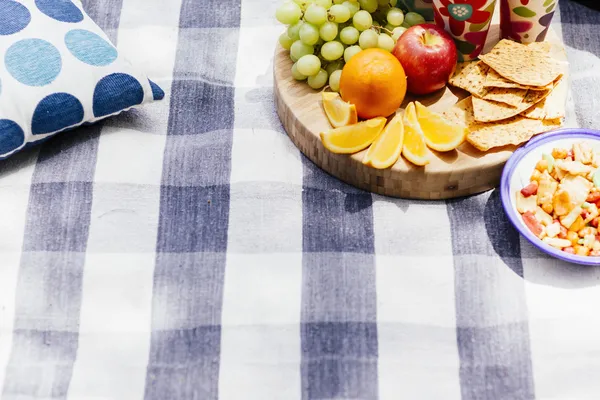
column 505, row 194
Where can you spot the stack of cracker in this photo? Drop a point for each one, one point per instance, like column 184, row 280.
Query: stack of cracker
column 517, row 91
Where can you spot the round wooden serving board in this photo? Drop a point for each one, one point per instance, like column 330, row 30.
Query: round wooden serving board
column 462, row 172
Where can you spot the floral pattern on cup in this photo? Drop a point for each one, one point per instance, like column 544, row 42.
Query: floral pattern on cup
column 468, row 21
column 526, row 21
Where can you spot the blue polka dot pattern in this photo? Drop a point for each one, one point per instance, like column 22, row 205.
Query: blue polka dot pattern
column 55, row 113
column 60, row 10
column 116, row 92
column 90, row 48
column 14, row 17
column 59, row 71
column 11, row 136
column 157, row 92
column 33, row 62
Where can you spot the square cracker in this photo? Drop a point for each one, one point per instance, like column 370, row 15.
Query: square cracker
column 522, row 64
column 470, row 77
column 513, row 97
column 488, row 111
column 495, row 80
column 484, row 136
column 553, row 106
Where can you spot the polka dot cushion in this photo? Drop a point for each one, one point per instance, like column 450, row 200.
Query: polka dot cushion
column 58, row 70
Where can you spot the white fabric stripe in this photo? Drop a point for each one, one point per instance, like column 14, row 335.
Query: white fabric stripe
column 563, row 326
column 416, row 316
column 260, row 323
column 260, row 327
column 114, row 338
column 14, row 198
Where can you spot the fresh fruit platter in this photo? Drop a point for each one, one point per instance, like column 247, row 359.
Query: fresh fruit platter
column 378, row 97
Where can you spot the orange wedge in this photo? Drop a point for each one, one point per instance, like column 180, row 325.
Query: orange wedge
column 339, row 113
column 414, row 148
column 386, row 149
column 353, row 138
column 440, row 134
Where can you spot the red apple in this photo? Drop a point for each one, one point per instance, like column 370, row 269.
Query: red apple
column 428, row 55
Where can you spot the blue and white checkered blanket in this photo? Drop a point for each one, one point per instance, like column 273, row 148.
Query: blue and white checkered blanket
column 186, row 250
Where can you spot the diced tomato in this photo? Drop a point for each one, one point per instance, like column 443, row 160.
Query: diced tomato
column 532, row 189
column 595, row 222
column 569, row 250
column 570, row 154
column 563, row 232
column 598, row 204
column 532, row 223
column 585, row 214
column 593, row 197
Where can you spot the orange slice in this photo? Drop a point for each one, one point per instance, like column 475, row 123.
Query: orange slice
column 414, row 148
column 440, row 134
column 386, row 149
column 353, row 138
column 339, row 113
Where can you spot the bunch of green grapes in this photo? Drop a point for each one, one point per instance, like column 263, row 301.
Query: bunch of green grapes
column 322, row 35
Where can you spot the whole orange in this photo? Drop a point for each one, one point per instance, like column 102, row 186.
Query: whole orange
column 374, row 81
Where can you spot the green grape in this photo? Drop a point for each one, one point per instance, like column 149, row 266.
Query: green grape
column 412, row 19
column 323, row 3
column 389, row 27
column 395, row 17
column 349, row 35
column 405, row 24
column 309, row 34
column 332, row 50
column 351, row 52
column 296, row 74
column 319, row 80
column 338, row 1
column 333, row 66
column 308, row 65
column 288, row 13
column 376, row 23
column 285, row 41
column 315, row 14
column 328, row 31
column 362, row 20
column 368, row 39
column 334, row 80
column 383, row 2
column 300, row 49
column 397, row 32
column 385, row 42
column 352, row 5
column 304, row 3
column 393, row 3
column 368, row 5
column 339, row 13
column 294, row 30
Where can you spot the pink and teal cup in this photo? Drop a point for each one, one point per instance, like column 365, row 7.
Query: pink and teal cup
column 467, row 21
column 526, row 21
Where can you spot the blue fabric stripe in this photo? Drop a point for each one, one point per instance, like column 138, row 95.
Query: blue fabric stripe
column 194, row 214
column 48, row 294
column 495, row 355
column 576, row 21
column 339, row 311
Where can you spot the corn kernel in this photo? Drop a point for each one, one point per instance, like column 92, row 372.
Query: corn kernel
column 542, row 165
column 573, row 237
column 581, row 250
column 548, row 208
column 535, row 176
column 559, row 153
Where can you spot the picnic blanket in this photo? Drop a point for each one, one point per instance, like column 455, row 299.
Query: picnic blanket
column 187, row 250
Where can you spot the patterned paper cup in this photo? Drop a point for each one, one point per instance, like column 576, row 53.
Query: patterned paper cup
column 526, row 21
column 468, row 21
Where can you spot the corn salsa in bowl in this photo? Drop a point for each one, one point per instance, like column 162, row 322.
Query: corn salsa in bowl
column 550, row 191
